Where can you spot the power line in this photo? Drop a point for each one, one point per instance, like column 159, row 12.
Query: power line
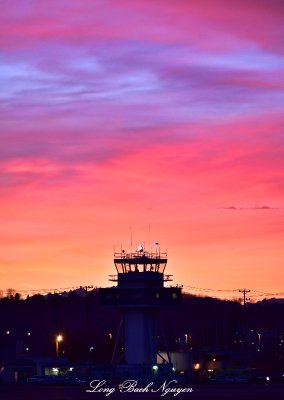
column 210, row 290
column 254, row 293
column 226, row 292
column 61, row 290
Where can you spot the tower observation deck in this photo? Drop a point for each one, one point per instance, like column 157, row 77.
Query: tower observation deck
column 140, row 294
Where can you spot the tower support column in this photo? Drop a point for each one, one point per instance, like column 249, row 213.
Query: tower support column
column 140, row 336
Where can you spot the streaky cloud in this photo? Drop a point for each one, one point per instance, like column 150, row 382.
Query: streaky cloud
column 249, row 208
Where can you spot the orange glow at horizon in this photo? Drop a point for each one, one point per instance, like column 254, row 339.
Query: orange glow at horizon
column 64, row 235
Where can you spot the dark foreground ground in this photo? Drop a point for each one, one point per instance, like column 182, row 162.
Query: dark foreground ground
column 200, row 392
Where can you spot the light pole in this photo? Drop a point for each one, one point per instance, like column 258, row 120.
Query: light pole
column 87, row 312
column 58, row 339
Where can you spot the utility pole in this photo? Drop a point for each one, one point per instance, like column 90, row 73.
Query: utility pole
column 86, row 288
column 244, row 291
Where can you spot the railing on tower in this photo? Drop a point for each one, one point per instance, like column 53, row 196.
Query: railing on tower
column 140, row 261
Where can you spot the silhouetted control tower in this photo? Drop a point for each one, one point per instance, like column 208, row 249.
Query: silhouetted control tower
column 140, row 293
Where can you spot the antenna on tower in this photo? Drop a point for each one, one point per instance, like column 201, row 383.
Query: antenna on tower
column 130, row 238
column 149, row 239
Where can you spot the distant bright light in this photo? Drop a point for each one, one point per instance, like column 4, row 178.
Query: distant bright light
column 155, row 367
column 196, row 366
column 55, row 369
column 29, row 333
column 140, row 248
column 59, row 338
column 267, row 378
column 7, row 332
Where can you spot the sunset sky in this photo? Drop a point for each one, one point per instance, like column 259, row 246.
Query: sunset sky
column 160, row 117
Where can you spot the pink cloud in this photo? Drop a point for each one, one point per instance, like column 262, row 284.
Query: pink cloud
column 160, row 21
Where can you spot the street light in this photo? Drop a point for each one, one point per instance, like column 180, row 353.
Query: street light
column 58, row 339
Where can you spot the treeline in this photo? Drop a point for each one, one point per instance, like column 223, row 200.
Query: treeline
column 89, row 330
column 10, row 294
